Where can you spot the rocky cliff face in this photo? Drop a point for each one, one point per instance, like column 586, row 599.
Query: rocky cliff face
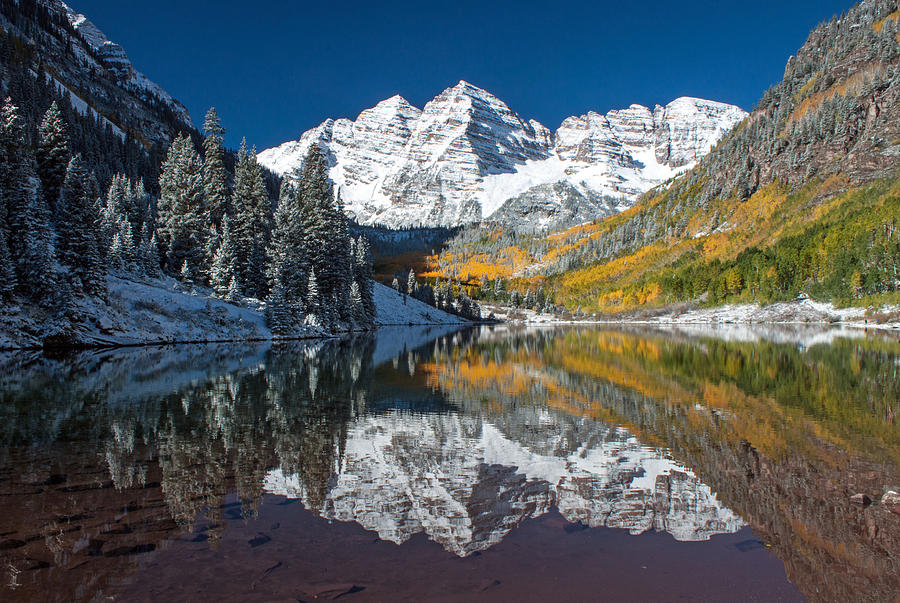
column 114, row 59
column 94, row 71
column 467, row 482
column 467, row 155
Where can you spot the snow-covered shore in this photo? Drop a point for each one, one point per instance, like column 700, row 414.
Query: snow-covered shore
column 802, row 311
column 159, row 311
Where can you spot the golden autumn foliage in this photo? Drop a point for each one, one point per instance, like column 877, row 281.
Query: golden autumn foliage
column 879, row 25
column 851, row 85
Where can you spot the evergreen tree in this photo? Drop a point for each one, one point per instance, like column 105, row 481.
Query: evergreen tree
column 52, row 154
column 79, row 241
column 150, row 258
column 16, row 176
column 251, row 223
column 411, row 282
column 182, row 218
column 313, row 306
column 363, row 275
column 215, row 187
column 37, row 273
column 185, row 273
column 278, row 309
column 224, row 266
column 326, row 238
column 213, row 241
column 287, row 254
column 7, row 268
column 114, row 211
column 116, row 254
column 357, row 310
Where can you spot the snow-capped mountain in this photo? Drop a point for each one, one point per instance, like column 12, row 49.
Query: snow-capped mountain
column 467, row 482
column 468, row 157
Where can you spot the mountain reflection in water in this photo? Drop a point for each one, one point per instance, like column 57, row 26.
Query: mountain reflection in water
column 108, row 459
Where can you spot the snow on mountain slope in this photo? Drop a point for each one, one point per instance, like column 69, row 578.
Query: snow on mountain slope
column 114, row 59
column 467, row 154
column 94, row 71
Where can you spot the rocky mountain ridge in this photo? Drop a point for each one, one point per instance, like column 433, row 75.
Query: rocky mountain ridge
column 80, row 60
column 467, row 157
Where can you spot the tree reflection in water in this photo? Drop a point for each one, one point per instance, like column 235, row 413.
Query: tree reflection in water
column 105, row 457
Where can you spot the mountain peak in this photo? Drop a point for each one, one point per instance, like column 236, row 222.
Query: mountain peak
column 467, row 154
column 468, row 89
column 394, row 101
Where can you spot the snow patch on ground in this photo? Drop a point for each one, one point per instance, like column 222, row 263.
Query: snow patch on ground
column 393, row 308
column 802, row 321
column 155, row 311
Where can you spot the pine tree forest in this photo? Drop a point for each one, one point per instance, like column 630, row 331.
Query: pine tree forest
column 68, row 222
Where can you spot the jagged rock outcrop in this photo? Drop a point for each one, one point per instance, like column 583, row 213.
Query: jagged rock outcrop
column 113, row 57
column 467, row 155
column 94, row 71
column 546, row 206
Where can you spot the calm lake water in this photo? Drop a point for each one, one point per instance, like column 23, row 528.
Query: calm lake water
column 487, row 464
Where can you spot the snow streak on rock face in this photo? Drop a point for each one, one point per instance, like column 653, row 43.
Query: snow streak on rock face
column 113, row 58
column 467, row 483
column 467, row 154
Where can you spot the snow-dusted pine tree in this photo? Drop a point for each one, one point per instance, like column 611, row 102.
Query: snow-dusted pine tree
column 182, row 216
column 288, row 250
column 279, row 315
column 37, row 270
column 150, row 258
column 363, row 269
column 16, row 176
column 7, row 268
column 411, row 284
column 327, row 240
column 116, row 255
column 357, row 310
column 215, row 186
column 79, row 240
column 251, row 223
column 52, row 155
column 313, row 307
column 224, row 266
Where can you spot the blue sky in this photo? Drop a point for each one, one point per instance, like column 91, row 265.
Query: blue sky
column 274, row 68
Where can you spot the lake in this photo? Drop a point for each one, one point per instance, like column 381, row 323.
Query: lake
column 494, row 463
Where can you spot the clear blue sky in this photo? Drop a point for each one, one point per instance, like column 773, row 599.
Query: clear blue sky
column 274, row 68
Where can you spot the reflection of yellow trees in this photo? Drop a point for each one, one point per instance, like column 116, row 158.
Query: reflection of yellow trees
column 493, row 385
column 777, row 413
column 775, row 397
column 780, row 434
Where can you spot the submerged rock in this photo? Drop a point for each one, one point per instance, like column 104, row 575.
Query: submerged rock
column 861, row 499
column 891, row 501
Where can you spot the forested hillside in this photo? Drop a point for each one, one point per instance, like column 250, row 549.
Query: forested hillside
column 89, row 195
column 802, row 197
